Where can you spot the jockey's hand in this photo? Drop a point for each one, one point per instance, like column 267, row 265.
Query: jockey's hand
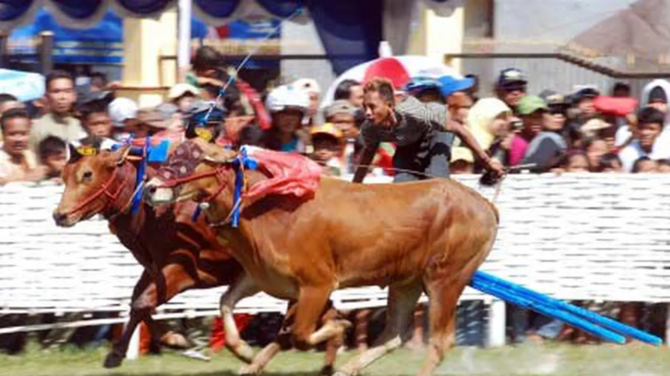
column 495, row 167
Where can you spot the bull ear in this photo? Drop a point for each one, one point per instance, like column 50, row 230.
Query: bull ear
column 75, row 155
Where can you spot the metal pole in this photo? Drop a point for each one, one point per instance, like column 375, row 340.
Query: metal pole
column 4, row 57
column 183, row 37
column 46, row 52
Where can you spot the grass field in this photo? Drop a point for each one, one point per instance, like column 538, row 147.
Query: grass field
column 507, row 361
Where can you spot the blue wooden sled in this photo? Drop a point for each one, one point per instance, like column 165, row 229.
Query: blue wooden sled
column 581, row 318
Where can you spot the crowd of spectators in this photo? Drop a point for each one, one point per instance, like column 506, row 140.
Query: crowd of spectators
column 585, row 131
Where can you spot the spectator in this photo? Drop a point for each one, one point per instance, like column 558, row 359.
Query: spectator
column 207, row 75
column 95, row 119
column 17, row 162
column 595, row 149
column 610, row 163
column 473, row 91
column 577, row 161
column 511, row 87
column 287, row 106
column 644, row 165
column 621, row 90
column 342, row 114
column 123, row 112
column 350, row 90
column 583, row 101
column 313, row 91
column 100, row 83
column 426, row 90
column 183, row 95
column 59, row 122
column 53, row 155
column 462, row 161
column 327, row 143
column 654, row 94
column 8, row 101
column 546, row 150
column 459, row 105
column 558, row 106
column 532, row 110
column 650, row 124
column 487, row 120
column 663, row 166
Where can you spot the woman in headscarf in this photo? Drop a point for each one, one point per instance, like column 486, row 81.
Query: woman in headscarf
column 488, row 121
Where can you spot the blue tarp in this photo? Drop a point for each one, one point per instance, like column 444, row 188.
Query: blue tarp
column 100, row 44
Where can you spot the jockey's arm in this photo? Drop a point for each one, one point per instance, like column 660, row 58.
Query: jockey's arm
column 464, row 134
column 367, row 155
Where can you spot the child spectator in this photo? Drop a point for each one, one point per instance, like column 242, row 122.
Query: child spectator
column 123, row 112
column 644, row 165
column 650, row 123
column 595, row 149
column 327, row 144
column 287, row 106
column 577, row 161
column 183, row 95
column 53, row 155
column 663, row 166
column 17, row 162
column 95, row 119
column 610, row 163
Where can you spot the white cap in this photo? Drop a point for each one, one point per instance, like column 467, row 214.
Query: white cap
column 180, row 89
column 308, row 85
column 287, row 96
column 122, row 109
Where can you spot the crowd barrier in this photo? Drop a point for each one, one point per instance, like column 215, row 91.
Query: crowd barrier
column 600, row 237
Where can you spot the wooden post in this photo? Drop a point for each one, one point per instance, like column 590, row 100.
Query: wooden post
column 4, row 57
column 46, row 52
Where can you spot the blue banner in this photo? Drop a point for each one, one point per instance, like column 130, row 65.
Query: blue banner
column 100, row 44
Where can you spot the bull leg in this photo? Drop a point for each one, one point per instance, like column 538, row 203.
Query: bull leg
column 239, row 290
column 115, row 357
column 445, row 282
column 262, row 359
column 401, row 303
column 144, row 302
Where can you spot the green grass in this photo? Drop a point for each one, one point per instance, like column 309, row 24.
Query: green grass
column 508, row 361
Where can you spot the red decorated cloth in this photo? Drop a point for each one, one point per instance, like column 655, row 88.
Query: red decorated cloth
column 290, row 174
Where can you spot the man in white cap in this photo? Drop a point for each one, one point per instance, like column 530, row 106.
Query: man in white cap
column 123, row 112
column 313, row 90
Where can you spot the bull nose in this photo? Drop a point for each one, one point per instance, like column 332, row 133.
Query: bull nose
column 149, row 191
column 59, row 217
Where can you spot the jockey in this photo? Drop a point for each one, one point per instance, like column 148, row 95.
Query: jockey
column 287, row 106
column 420, row 131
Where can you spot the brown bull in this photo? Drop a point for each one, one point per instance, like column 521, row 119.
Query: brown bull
column 176, row 253
column 426, row 236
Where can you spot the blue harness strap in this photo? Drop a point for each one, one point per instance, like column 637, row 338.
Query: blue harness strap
column 139, row 178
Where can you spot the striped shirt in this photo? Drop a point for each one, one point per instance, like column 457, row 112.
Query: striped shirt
column 422, row 145
column 415, row 120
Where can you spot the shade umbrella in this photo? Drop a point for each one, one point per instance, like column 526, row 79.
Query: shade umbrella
column 25, row 86
column 400, row 70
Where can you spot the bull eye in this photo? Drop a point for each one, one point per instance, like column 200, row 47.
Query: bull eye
column 87, row 176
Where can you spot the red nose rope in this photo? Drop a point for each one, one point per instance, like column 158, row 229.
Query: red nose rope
column 113, row 197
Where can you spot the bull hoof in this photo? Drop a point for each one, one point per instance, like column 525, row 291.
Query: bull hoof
column 327, row 371
column 249, row 370
column 113, row 360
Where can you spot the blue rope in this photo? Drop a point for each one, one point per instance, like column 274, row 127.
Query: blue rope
column 139, row 178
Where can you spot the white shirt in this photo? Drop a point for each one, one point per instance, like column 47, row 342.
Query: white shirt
column 632, row 153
